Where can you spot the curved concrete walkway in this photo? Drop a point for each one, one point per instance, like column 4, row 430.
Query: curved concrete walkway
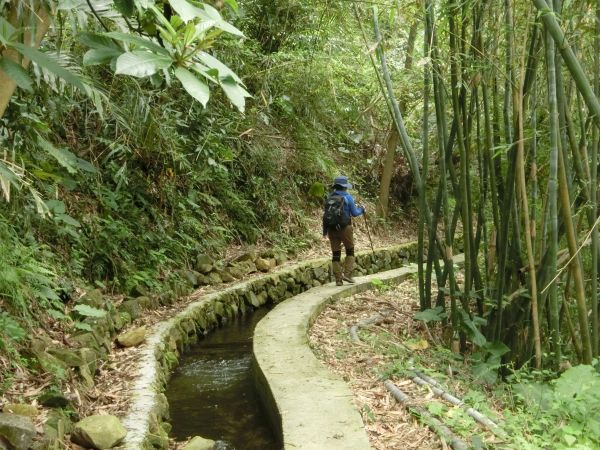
column 312, row 407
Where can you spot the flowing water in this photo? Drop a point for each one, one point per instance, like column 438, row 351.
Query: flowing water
column 211, row 394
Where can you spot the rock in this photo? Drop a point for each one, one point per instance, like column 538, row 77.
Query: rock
column 280, row 258
column 263, row 264
column 131, row 307
column 69, row 357
column 20, row 409
column 89, row 358
column 204, row 263
column 54, row 399
column 86, row 376
column 249, row 255
column 214, row 278
column 99, row 432
column 199, row 443
column 132, row 337
column 253, row 299
column 139, row 290
column 17, row 430
column 226, row 275
column 250, row 267
column 203, row 279
column 39, row 344
column 321, row 273
column 236, row 271
column 159, row 438
column 262, row 298
column 148, row 302
column 191, row 276
column 92, row 298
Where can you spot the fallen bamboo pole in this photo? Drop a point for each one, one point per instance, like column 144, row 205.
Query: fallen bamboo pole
column 436, row 425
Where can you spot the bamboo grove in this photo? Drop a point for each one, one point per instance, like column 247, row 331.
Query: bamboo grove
column 507, row 172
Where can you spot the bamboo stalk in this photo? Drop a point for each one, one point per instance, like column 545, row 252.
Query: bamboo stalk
column 552, row 221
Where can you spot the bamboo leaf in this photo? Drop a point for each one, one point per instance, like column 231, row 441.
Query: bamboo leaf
column 64, row 157
column 141, row 63
column 193, row 85
column 49, row 64
column 17, row 73
column 7, row 31
column 232, row 4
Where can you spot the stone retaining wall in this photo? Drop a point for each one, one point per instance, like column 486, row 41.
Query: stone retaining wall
column 146, row 422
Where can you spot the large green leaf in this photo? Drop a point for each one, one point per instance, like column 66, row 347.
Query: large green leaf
column 236, row 94
column 49, row 64
column 185, row 10
column 141, row 63
column 196, row 88
column 17, row 73
column 97, row 40
column 474, row 334
column 99, row 56
column 211, row 13
column 137, row 40
column 125, row 7
column 89, row 311
column 431, row 315
column 222, row 69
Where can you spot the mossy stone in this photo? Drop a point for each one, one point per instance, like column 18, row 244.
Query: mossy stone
column 131, row 307
column 133, row 337
column 17, row 430
column 99, row 432
column 20, row 409
column 200, row 443
column 226, row 275
column 70, row 357
column 92, row 298
column 263, row 264
column 214, row 278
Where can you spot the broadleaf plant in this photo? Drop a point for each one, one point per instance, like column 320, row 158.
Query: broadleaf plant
column 179, row 48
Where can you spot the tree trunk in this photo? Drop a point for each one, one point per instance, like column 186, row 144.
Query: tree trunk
column 7, row 84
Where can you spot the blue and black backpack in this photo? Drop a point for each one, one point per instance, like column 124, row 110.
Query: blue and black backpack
column 335, row 215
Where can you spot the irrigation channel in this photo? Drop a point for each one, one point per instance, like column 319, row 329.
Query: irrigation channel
column 212, row 394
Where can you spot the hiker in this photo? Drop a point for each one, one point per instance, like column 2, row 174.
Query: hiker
column 337, row 225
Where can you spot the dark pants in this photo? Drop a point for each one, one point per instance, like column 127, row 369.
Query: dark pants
column 337, row 238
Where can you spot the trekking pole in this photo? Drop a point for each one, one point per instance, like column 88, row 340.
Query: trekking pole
column 368, row 232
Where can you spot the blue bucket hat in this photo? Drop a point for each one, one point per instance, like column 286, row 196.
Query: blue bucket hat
column 342, row 181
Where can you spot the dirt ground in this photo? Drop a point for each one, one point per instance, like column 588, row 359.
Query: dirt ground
column 388, row 424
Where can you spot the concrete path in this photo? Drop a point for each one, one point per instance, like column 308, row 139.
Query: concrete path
column 313, row 408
